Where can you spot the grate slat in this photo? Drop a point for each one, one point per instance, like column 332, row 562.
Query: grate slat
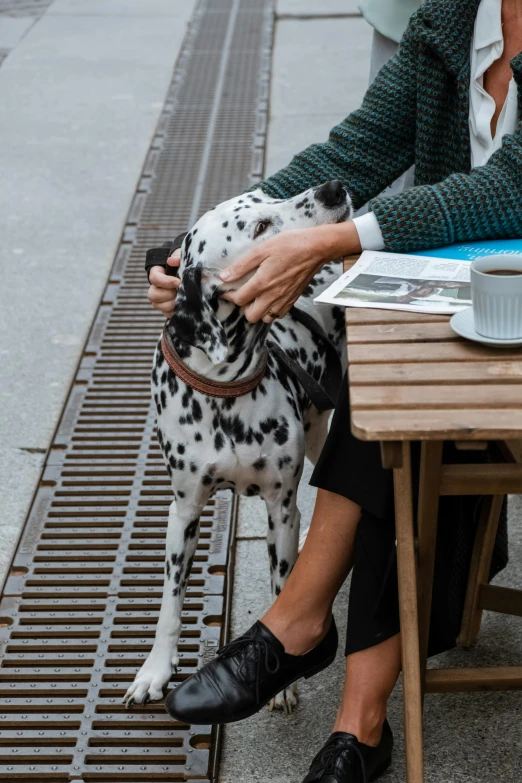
column 82, row 597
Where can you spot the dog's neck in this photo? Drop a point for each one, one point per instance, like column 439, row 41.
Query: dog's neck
column 246, row 345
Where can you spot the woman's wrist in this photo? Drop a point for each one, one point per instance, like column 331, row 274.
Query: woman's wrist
column 338, row 241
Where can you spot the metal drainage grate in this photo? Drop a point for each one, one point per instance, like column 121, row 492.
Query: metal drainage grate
column 80, row 604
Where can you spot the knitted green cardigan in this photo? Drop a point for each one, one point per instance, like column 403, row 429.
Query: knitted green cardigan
column 417, row 111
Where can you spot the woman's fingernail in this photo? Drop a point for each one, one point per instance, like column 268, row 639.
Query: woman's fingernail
column 225, row 274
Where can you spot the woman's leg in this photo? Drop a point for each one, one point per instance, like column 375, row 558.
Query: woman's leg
column 370, row 678
column 301, row 614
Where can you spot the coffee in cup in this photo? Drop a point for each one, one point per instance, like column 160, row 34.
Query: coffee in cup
column 496, row 292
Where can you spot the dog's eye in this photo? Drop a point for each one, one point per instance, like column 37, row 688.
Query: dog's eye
column 261, row 228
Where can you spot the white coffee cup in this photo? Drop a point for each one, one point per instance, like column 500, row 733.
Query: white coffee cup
column 496, row 292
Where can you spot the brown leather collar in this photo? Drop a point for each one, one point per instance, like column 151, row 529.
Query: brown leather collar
column 206, row 385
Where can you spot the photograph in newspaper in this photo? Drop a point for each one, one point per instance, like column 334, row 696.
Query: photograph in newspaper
column 402, row 282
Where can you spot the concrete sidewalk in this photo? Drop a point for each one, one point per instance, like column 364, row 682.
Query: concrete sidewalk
column 81, row 89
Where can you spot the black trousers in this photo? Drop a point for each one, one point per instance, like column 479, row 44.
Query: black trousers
column 353, row 468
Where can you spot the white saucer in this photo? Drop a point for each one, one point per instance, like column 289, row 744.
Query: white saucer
column 464, row 325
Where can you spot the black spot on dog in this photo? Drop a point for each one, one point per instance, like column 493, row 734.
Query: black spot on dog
column 270, row 522
column 202, row 246
column 167, row 568
column 191, row 530
column 283, row 568
column 206, row 480
column 197, row 413
column 181, row 494
column 181, row 448
column 193, row 467
column 272, row 554
column 225, row 224
column 163, row 399
column 253, row 489
column 277, row 485
column 281, row 434
column 229, row 239
column 219, row 441
column 198, row 437
column 173, row 383
column 241, row 224
column 259, row 464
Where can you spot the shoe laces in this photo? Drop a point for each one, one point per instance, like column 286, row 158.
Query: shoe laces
column 331, row 754
column 260, row 649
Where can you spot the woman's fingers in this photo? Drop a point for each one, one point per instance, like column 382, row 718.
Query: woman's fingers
column 175, row 258
column 241, row 268
column 160, row 279
column 247, row 293
column 159, row 295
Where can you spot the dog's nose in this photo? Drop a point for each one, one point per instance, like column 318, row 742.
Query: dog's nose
column 331, row 194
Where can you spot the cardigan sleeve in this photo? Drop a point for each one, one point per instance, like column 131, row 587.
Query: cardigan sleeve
column 484, row 204
column 372, row 146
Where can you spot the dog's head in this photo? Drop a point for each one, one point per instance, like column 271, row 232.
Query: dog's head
column 222, row 236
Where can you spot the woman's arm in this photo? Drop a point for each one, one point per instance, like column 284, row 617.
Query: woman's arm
column 484, row 204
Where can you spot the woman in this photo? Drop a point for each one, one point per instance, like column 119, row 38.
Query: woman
column 447, row 103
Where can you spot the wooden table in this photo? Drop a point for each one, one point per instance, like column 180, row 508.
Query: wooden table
column 413, row 379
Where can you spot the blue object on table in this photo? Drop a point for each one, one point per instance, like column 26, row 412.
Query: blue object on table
column 469, row 251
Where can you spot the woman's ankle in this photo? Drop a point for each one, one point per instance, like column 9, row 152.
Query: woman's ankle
column 298, row 633
column 364, row 723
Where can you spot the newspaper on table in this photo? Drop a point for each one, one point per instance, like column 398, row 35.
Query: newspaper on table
column 394, row 281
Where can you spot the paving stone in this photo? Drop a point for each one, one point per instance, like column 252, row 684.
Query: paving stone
column 150, row 9
column 12, row 30
column 320, row 74
column 312, row 7
column 289, row 135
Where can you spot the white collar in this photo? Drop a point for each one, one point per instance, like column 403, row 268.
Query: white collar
column 488, row 24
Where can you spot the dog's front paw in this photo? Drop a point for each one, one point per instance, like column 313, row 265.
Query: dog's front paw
column 286, row 700
column 149, row 684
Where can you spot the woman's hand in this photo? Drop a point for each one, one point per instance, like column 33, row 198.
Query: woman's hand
column 163, row 288
column 285, row 265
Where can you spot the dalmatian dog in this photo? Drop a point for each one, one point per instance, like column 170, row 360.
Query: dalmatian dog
column 254, row 444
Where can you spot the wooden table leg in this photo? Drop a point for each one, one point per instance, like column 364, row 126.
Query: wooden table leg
column 427, row 518
column 407, row 579
column 480, row 567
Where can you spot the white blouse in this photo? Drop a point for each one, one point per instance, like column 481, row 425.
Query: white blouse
column 487, row 46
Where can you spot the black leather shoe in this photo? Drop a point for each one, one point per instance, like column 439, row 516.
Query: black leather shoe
column 346, row 760
column 244, row 676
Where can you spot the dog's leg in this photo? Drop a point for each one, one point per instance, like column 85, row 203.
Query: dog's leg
column 316, row 434
column 314, row 442
column 182, row 539
column 282, row 540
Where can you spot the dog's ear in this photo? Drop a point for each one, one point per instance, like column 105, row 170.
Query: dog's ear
column 194, row 320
